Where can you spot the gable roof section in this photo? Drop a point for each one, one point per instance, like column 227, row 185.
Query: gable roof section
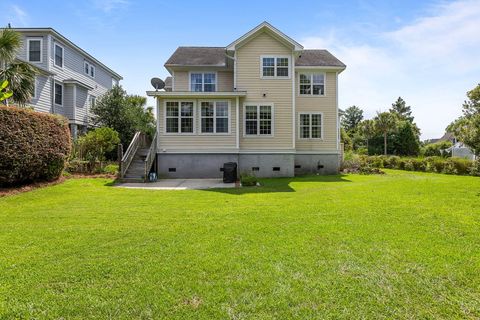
column 318, row 58
column 198, row 56
column 265, row 26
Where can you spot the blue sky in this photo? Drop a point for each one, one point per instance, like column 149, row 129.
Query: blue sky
column 425, row 51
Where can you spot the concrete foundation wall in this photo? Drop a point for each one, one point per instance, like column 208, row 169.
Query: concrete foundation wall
column 261, row 165
column 317, row 163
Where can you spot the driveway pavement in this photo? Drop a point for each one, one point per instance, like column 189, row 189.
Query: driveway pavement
column 178, row 184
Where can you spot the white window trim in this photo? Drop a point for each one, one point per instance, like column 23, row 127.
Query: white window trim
column 310, row 126
column 54, row 93
column 258, row 104
column 311, row 73
column 90, row 65
column 179, row 133
column 54, row 55
column 275, row 67
column 203, row 80
column 92, row 97
column 200, row 117
column 41, row 49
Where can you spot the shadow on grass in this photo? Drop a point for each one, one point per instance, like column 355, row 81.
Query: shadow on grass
column 271, row 185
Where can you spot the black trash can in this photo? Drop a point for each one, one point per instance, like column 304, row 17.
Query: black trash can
column 229, row 172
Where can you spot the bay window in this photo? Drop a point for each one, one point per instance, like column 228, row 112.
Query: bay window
column 310, row 125
column 179, row 117
column 258, row 120
column 203, row 81
column 312, row 84
column 214, row 117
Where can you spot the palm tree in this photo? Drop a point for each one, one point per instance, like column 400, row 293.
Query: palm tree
column 384, row 122
column 20, row 75
column 367, row 129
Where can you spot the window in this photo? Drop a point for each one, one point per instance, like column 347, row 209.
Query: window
column 312, row 84
column 214, row 116
column 203, row 82
column 258, row 120
column 275, row 67
column 34, row 50
column 93, row 100
column 58, row 93
column 58, row 56
column 310, row 125
column 114, row 82
column 89, row 69
column 179, row 117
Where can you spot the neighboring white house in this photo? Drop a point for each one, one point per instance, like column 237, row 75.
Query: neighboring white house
column 69, row 79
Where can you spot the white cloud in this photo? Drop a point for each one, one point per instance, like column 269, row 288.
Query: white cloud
column 430, row 62
column 19, row 17
column 108, row 6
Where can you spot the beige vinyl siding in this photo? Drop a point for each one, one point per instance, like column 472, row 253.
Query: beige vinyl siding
column 224, row 80
column 327, row 105
column 196, row 142
column 277, row 91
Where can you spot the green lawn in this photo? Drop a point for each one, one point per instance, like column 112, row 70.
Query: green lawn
column 402, row 245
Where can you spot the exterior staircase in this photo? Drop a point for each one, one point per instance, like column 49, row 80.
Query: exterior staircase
column 137, row 161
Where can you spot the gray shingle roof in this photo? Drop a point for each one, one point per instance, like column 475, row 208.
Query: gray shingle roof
column 198, row 56
column 215, row 56
column 321, row 58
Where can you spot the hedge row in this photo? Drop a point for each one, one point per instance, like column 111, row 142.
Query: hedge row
column 457, row 166
column 33, row 146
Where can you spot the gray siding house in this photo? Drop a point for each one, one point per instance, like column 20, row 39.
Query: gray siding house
column 69, row 80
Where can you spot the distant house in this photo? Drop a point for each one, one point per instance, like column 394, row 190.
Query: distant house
column 263, row 102
column 458, row 149
column 69, row 80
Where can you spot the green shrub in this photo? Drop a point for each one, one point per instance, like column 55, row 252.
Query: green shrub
column 475, row 168
column 93, row 146
column 248, row 180
column 457, row 166
column 111, row 169
column 34, row 146
column 419, row 164
column 391, row 162
column 408, row 165
column 436, row 149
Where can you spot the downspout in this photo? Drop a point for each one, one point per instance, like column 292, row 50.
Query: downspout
column 338, row 119
column 293, row 103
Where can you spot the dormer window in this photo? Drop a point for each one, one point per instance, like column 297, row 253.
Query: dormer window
column 275, row 67
column 203, row 81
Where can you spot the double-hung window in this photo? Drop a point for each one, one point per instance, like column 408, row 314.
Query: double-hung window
column 214, row 116
column 58, row 56
column 203, row 82
column 179, row 117
column 258, row 120
column 310, row 125
column 58, row 93
column 275, row 67
column 89, row 69
column 312, row 84
column 34, row 50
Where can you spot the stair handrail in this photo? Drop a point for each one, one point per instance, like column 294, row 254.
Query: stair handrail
column 130, row 153
column 152, row 151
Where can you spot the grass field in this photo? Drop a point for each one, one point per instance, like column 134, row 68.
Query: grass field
column 402, row 245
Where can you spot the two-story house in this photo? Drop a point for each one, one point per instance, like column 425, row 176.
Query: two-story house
column 263, row 102
column 69, row 79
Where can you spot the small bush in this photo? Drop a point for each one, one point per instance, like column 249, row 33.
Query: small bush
column 34, row 146
column 248, row 180
column 93, row 147
column 391, row 162
column 408, row 165
column 111, row 169
column 457, row 166
column 475, row 168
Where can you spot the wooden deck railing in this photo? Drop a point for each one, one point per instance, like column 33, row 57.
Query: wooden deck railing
column 130, row 153
column 150, row 157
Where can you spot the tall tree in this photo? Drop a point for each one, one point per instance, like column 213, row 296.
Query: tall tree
column 123, row 113
column 406, row 142
column 20, row 75
column 385, row 122
column 367, row 129
column 351, row 117
column 401, row 110
column 467, row 128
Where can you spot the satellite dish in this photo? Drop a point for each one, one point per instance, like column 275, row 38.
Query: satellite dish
column 157, row 83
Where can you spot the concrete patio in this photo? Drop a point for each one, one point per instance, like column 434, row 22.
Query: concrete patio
column 178, row 184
